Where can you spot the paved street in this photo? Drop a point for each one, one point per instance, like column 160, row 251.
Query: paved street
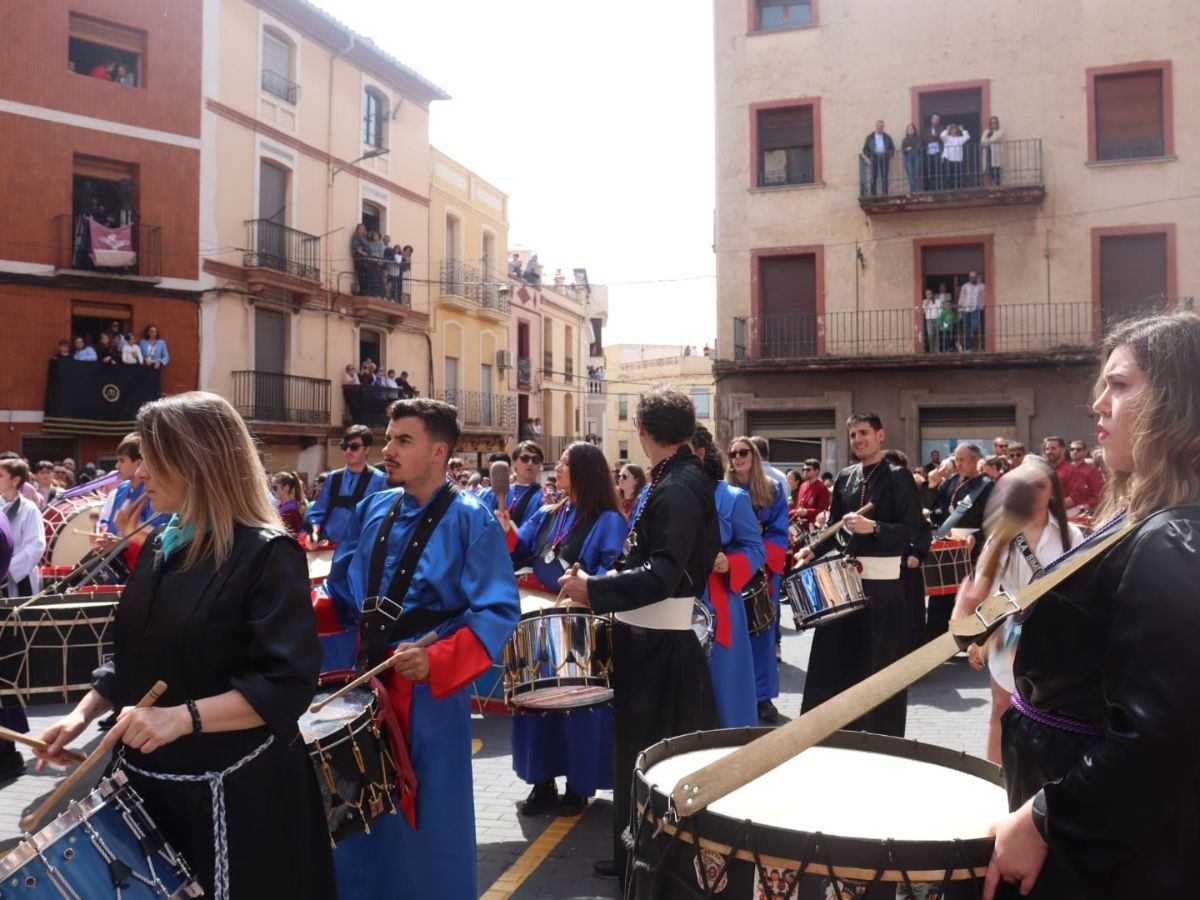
column 549, row 857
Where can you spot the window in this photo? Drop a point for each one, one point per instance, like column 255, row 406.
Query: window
column 623, row 407
column 105, row 192
column 1135, row 271
column 106, row 51
column 1130, row 113
column 622, row 449
column 772, row 14
column 374, row 118
column 788, row 287
column 372, row 217
column 90, row 318
column 700, row 398
column 786, row 146
column 277, row 67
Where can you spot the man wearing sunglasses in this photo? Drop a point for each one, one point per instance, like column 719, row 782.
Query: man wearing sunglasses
column 329, row 517
column 523, row 496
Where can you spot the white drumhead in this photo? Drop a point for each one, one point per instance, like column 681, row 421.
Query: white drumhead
column 71, row 542
column 852, row 793
column 320, row 562
column 532, row 601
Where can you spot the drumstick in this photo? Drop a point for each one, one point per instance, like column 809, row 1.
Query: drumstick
column 369, row 674
column 30, row 822
column 836, row 526
column 96, row 565
column 562, row 595
column 7, row 734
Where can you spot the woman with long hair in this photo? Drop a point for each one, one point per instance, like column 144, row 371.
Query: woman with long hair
column 289, row 497
column 631, row 481
column 219, row 609
column 1047, row 537
column 769, row 500
column 731, row 664
column 1100, row 746
column 584, row 526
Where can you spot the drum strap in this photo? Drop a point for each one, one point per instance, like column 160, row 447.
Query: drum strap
column 963, row 507
column 1035, row 564
column 388, row 620
column 338, row 500
column 718, row 779
column 517, row 513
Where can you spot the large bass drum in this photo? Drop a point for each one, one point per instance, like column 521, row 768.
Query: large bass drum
column 859, row 816
column 68, row 522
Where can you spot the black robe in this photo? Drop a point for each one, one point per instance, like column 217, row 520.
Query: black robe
column 661, row 685
column 1115, row 646
column 941, row 607
column 248, row 626
column 847, row 650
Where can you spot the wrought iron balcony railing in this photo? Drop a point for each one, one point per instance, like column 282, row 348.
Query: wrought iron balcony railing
column 981, row 173
column 382, row 278
column 482, row 409
column 280, row 86
column 117, row 251
column 272, row 245
column 274, row 397
column 548, row 363
column 524, row 371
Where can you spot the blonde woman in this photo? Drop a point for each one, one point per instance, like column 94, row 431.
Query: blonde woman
column 219, row 609
column 769, row 499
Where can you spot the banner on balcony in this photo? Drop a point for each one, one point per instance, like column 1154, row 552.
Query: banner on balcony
column 112, row 247
column 93, row 398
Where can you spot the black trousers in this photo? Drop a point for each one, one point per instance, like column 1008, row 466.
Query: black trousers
column 880, row 163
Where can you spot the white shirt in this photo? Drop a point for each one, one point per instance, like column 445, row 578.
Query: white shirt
column 131, row 353
column 29, row 543
column 931, row 307
column 953, row 145
column 972, row 297
column 879, row 146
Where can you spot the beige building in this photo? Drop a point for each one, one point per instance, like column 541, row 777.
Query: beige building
column 633, row 369
column 468, row 239
column 563, row 378
column 308, row 130
column 1076, row 207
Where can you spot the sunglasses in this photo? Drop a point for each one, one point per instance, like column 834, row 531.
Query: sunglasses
column 528, row 459
column 739, row 454
column 624, row 476
column 346, row 446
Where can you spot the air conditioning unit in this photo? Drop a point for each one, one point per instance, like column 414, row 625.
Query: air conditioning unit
column 503, row 359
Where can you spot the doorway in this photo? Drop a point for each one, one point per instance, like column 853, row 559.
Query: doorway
column 963, row 107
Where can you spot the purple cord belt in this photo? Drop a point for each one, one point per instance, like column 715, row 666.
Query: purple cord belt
column 1062, row 723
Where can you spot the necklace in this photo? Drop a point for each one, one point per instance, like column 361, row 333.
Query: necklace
column 958, row 488
column 559, row 532
column 866, row 483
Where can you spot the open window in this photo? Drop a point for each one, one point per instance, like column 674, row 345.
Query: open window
column 106, row 51
column 89, row 320
column 278, row 67
column 104, row 204
column 374, row 118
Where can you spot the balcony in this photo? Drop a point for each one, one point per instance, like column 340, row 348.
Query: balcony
column 569, row 370
column 459, row 285
column 493, row 302
column 279, row 86
column 286, row 399
column 597, row 387
column 1004, row 173
column 127, row 251
column 272, row 245
column 524, row 372
column 378, row 288
column 866, row 337
column 547, row 363
column 483, row 410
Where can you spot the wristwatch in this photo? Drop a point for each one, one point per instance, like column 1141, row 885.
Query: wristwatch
column 1039, row 814
column 875, row 530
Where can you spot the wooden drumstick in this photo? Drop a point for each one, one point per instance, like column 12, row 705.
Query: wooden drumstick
column 7, row 734
column 369, row 674
column 836, row 526
column 92, row 567
column 31, row 821
column 563, row 599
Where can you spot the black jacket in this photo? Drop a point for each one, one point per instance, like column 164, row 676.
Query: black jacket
column 897, row 510
column 952, row 492
column 678, row 535
column 1115, row 645
column 868, row 149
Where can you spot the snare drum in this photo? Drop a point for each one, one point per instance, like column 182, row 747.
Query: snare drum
column 68, row 523
column 559, row 657
column 351, row 752
column 702, row 625
column 74, row 854
column 876, row 815
column 944, row 569
column 824, row 590
column 760, row 609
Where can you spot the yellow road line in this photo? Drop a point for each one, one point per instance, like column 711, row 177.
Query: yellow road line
column 527, row 863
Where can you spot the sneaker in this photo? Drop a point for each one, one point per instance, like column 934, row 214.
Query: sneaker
column 12, row 764
column 767, row 712
column 571, row 803
column 605, row 868
column 541, row 800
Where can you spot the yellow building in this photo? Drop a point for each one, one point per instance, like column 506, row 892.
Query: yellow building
column 633, row 369
column 468, row 240
column 566, row 336
column 308, row 130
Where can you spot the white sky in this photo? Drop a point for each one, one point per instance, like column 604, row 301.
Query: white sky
column 597, row 120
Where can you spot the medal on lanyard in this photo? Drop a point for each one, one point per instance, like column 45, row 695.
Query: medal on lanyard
column 558, row 535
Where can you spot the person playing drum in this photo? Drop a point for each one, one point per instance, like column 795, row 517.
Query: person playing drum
column 747, row 472
column 1102, row 746
column 219, row 609
column 731, row 664
column 661, row 685
column 585, row 527
column 848, row 649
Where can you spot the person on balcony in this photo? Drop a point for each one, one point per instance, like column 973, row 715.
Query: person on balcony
column 106, row 353
column 83, row 352
column 64, row 350
column 154, row 349
column 948, row 325
column 954, row 138
column 131, row 351
column 407, row 391
column 514, row 266
column 993, row 151
column 932, row 139
column 394, row 255
column 930, row 311
column 375, row 248
column 878, row 150
column 533, row 271
column 972, row 299
column 360, row 252
column 115, row 334
column 910, row 149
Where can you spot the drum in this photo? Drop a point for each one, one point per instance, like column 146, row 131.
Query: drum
column 702, row 625
column 760, row 609
column 824, row 590
column 875, row 817
column 320, row 561
column 798, row 534
column 77, row 854
column 944, row 569
column 559, row 657
column 351, row 752
column 68, row 522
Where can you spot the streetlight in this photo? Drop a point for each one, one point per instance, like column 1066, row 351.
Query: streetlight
column 378, row 151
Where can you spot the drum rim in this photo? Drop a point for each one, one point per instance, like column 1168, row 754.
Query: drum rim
column 562, row 612
column 350, row 727
column 841, row 856
column 821, row 616
column 527, row 687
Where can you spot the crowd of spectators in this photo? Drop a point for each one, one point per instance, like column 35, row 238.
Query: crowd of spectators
column 379, row 265
column 955, row 324
column 936, row 159
column 369, row 390
column 531, row 271
column 117, row 347
column 110, row 69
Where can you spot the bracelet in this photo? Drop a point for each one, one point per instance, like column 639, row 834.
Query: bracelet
column 194, row 712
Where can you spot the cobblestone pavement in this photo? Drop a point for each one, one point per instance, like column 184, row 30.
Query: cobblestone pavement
column 950, row 708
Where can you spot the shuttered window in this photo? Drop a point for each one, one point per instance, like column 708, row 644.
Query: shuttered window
column 783, row 14
column 786, row 146
column 1129, row 115
column 968, row 417
column 783, row 422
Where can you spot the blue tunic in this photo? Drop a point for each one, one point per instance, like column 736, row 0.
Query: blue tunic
column 128, row 492
column 772, row 520
column 335, row 522
column 578, row 745
column 515, row 492
column 732, row 667
column 464, row 567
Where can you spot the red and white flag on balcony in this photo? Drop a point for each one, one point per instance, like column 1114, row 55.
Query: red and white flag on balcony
column 112, row 247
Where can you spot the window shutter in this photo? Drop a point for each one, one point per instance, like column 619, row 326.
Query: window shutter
column 1129, row 115
column 781, row 129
